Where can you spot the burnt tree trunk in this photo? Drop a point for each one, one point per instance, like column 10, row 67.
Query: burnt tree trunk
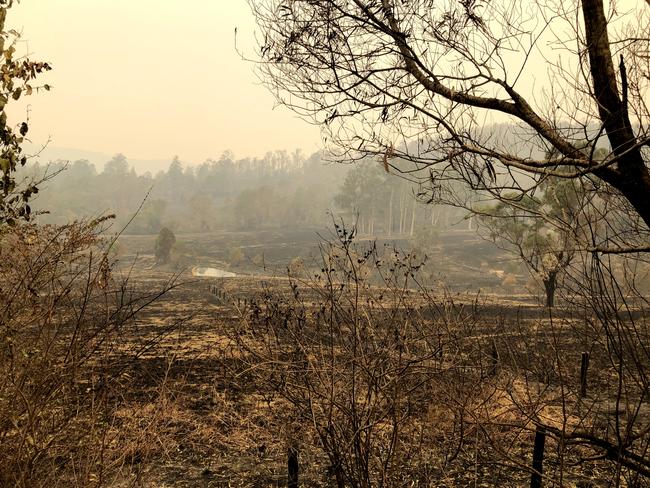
column 550, row 285
column 293, row 468
column 630, row 176
column 538, row 458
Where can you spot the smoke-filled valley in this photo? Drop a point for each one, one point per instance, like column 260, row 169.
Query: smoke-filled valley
column 450, row 289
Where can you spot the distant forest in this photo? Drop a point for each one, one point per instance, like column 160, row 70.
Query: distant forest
column 279, row 190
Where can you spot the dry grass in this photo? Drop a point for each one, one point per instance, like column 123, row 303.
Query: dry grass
column 195, row 411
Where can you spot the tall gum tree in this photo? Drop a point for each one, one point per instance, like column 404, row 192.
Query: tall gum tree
column 426, row 80
column 503, row 96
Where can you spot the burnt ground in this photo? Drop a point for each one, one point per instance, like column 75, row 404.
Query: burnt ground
column 190, row 416
column 459, row 258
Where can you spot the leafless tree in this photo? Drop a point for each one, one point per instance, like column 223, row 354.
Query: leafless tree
column 68, row 326
column 503, row 96
column 426, row 81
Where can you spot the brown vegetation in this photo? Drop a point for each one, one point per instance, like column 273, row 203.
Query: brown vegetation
column 67, row 346
column 374, row 379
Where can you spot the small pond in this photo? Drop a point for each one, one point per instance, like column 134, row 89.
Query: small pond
column 211, row 272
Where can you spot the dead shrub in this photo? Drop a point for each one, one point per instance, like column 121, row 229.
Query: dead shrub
column 356, row 352
column 387, row 383
column 64, row 356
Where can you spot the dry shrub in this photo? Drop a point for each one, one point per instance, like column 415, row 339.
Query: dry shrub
column 356, row 354
column 296, row 266
column 64, row 356
column 388, row 385
column 510, row 281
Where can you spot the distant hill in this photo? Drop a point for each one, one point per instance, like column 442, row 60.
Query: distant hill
column 53, row 153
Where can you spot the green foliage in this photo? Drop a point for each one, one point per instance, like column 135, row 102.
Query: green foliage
column 17, row 75
column 150, row 218
column 539, row 244
column 383, row 202
column 363, row 188
column 254, row 207
column 277, row 191
column 539, row 229
column 164, row 244
column 425, row 239
column 117, row 167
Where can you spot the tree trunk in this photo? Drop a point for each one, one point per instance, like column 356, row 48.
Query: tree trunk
column 412, row 220
column 340, row 478
column 390, row 213
column 538, row 458
column 292, row 468
column 630, row 176
column 550, row 284
column 401, row 213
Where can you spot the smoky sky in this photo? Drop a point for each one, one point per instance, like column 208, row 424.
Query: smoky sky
column 157, row 78
column 151, row 79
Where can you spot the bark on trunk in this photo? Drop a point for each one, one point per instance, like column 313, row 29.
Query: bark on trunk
column 550, row 284
column 630, row 176
column 390, row 213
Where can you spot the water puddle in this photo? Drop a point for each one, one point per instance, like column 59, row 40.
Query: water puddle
column 211, row 272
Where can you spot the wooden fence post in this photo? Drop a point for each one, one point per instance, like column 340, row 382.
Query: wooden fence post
column 538, row 457
column 584, row 366
column 293, row 468
column 494, row 355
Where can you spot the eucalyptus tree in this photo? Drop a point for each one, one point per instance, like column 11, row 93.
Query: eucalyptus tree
column 546, row 250
column 425, row 81
column 476, row 92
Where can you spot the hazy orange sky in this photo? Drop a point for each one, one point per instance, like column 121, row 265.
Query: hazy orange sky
column 156, row 78
column 151, row 79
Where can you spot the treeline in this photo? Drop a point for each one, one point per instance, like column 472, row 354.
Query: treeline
column 280, row 190
column 388, row 204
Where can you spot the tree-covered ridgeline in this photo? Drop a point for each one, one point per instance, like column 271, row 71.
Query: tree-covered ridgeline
column 280, row 190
